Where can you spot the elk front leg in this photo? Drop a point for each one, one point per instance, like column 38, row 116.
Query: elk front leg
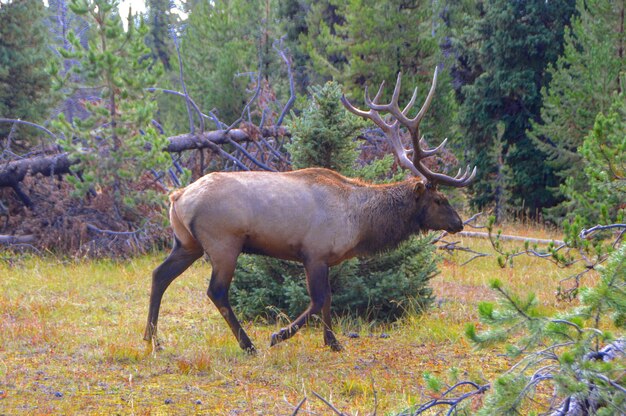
column 221, row 277
column 329, row 335
column 177, row 262
column 319, row 291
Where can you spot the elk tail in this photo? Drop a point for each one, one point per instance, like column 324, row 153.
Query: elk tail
column 181, row 231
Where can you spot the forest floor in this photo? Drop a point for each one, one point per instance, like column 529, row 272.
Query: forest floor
column 71, row 342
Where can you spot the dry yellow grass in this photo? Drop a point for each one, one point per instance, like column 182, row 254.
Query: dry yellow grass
column 71, row 343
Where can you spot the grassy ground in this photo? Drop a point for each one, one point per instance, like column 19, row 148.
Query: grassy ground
column 71, row 343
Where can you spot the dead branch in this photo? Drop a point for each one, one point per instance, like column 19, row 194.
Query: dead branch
column 207, row 139
column 17, row 239
column 446, row 400
column 14, row 172
column 327, row 403
column 450, row 247
column 503, row 237
column 297, row 409
column 573, row 406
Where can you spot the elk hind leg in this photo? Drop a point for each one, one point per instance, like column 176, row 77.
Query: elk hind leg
column 177, row 262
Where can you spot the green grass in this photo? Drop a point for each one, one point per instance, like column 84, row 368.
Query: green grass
column 71, row 343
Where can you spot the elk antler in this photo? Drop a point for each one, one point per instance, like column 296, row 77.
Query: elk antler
column 392, row 132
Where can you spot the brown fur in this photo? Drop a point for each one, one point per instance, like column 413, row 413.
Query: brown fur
column 315, row 216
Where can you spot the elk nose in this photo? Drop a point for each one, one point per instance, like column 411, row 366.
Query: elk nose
column 456, row 226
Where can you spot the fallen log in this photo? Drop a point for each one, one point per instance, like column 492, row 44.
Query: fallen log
column 208, row 139
column 504, row 237
column 17, row 239
column 12, row 173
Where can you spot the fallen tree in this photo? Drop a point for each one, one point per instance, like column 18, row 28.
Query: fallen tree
column 13, row 172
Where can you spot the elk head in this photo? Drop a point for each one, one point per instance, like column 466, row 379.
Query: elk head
column 436, row 211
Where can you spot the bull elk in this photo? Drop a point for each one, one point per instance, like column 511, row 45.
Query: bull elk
column 314, row 216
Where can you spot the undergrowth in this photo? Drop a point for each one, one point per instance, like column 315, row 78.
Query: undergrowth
column 71, row 343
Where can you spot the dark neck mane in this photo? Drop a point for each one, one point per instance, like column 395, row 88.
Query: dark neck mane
column 388, row 216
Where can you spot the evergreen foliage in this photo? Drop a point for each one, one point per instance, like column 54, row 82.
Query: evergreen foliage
column 583, row 83
column 562, row 349
column 365, row 42
column 603, row 155
column 323, row 134
column 24, row 82
column 381, row 287
column 221, row 40
column 516, row 41
column 118, row 129
column 159, row 40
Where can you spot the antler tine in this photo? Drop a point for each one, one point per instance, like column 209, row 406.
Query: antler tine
column 425, row 153
column 410, row 104
column 346, row 103
column 370, row 114
column 459, row 176
column 429, row 98
column 438, row 178
column 396, row 92
column 373, row 105
column 378, row 94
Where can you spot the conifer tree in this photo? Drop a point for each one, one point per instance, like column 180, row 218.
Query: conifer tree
column 603, row 155
column 558, row 353
column 512, row 43
column 365, row 42
column 159, row 19
column 116, row 143
column 583, row 83
column 24, row 54
column 221, row 40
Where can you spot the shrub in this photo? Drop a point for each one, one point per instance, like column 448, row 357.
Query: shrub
column 382, row 287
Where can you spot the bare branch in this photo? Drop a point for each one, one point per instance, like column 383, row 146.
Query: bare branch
column 28, row 123
column 333, row 408
column 281, row 50
column 587, row 233
column 297, row 409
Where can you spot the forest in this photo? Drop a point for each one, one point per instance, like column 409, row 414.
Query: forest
column 106, row 110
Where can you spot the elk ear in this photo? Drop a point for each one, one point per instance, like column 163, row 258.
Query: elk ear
column 419, row 188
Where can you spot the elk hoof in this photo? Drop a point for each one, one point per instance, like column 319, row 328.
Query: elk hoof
column 250, row 349
column 153, row 345
column 333, row 344
column 276, row 338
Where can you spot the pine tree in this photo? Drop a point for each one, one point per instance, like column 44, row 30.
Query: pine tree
column 603, row 155
column 513, row 44
column 159, row 21
column 116, row 143
column 583, row 82
column 559, row 353
column 221, row 40
column 323, row 134
column 24, row 82
column 367, row 42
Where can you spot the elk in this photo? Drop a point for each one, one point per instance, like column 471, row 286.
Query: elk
column 314, row 216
